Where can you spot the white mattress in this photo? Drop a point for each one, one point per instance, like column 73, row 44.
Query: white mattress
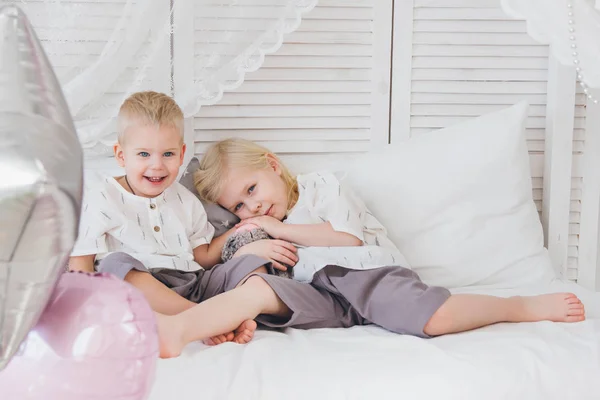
column 529, row 361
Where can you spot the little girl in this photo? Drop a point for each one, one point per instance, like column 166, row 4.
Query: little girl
column 253, row 183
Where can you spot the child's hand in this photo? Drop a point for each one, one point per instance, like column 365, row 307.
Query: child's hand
column 276, row 251
column 271, row 225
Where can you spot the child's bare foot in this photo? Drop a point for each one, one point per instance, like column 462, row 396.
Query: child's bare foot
column 215, row 340
column 245, row 332
column 170, row 336
column 557, row 307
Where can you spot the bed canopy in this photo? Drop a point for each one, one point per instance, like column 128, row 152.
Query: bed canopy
column 114, row 49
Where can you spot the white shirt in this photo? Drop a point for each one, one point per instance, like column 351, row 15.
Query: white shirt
column 323, row 199
column 160, row 232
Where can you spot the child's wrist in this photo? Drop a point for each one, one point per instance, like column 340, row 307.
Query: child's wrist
column 281, row 231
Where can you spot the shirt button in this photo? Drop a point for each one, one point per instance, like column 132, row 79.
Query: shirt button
column 152, row 206
column 156, row 228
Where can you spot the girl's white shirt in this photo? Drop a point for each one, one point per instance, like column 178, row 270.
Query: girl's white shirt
column 323, row 199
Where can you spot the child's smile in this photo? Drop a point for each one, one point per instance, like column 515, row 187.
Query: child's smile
column 151, row 156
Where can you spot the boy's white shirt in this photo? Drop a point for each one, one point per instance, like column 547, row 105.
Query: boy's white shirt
column 161, row 232
column 323, row 199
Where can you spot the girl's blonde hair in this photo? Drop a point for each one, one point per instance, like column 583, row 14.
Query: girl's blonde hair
column 234, row 153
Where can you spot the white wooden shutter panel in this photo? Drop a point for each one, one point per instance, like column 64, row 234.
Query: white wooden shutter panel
column 588, row 261
column 319, row 91
column 576, row 184
column 467, row 59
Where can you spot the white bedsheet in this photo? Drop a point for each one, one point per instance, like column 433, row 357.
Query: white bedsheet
column 528, row 361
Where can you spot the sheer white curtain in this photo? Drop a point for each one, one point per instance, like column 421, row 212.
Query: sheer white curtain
column 571, row 27
column 103, row 51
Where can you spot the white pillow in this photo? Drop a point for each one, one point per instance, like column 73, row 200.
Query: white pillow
column 458, row 202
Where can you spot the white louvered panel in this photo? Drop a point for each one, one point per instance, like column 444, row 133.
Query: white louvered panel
column 574, row 225
column 576, row 185
column 537, row 183
column 469, row 59
column 315, row 94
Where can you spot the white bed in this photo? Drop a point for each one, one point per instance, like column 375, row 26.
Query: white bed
column 460, row 234
column 530, row 361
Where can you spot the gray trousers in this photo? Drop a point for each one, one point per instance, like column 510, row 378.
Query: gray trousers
column 391, row 297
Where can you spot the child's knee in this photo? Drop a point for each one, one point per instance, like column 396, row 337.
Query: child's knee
column 255, row 282
column 259, row 270
column 123, row 266
column 133, row 276
column 440, row 323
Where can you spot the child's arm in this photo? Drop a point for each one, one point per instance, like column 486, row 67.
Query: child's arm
column 208, row 255
column 98, row 217
column 276, row 251
column 82, row 263
column 340, row 210
column 322, row 234
column 317, row 235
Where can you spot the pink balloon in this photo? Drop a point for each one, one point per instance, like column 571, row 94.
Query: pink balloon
column 96, row 339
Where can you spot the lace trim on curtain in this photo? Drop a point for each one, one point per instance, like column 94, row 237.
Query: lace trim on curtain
column 548, row 22
column 103, row 52
column 232, row 75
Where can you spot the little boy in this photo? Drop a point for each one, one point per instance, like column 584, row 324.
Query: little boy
column 148, row 229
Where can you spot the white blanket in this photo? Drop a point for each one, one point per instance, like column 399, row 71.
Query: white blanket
column 529, row 361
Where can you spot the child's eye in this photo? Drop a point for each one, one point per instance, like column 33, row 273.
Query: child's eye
column 169, row 154
column 251, row 189
column 144, row 154
column 237, row 207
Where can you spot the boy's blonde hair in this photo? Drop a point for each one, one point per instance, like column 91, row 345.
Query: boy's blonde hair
column 223, row 155
column 149, row 108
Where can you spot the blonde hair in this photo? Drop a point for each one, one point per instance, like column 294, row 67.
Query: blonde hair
column 226, row 154
column 149, row 108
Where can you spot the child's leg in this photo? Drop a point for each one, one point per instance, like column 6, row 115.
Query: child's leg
column 463, row 312
column 396, row 299
column 161, row 298
column 222, row 313
column 245, row 332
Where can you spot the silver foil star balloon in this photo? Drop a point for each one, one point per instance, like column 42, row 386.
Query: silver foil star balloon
column 41, row 186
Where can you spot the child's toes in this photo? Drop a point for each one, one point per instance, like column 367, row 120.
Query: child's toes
column 244, row 337
column 219, row 339
column 576, row 311
column 575, row 318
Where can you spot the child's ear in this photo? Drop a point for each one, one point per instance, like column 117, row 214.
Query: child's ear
column 183, row 147
column 273, row 163
column 118, row 150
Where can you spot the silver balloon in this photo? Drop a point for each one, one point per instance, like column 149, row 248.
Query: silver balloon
column 41, row 166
